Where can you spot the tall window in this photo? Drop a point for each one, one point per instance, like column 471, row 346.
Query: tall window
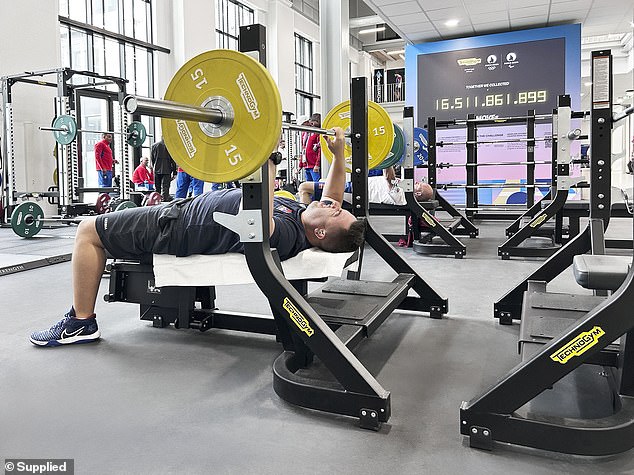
column 230, row 16
column 109, row 37
column 304, row 90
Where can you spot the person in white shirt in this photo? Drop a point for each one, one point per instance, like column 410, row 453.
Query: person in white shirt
column 381, row 189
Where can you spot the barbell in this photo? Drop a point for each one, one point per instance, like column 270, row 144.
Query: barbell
column 65, row 130
column 477, row 142
column 574, row 134
column 222, row 115
column 487, row 164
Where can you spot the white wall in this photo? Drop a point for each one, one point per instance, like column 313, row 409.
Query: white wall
column 29, row 41
column 186, row 28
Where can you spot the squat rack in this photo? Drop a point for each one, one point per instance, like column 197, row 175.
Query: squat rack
column 69, row 189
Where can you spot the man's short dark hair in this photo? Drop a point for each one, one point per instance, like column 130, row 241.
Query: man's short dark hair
column 346, row 240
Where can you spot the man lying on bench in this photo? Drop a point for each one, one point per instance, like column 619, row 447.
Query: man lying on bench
column 382, row 189
column 186, row 227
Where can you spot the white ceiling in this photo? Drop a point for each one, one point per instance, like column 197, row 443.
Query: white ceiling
column 604, row 24
column 416, row 21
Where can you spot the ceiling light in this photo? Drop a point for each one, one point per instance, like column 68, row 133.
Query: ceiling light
column 589, row 83
column 372, row 30
column 452, row 23
column 397, row 51
column 402, row 57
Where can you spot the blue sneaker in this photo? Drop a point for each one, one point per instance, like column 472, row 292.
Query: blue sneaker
column 67, row 331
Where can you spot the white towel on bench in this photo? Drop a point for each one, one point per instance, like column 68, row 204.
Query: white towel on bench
column 232, row 269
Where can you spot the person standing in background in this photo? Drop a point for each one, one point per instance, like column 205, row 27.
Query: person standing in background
column 104, row 161
column 302, row 156
column 164, row 169
column 185, row 182
column 313, row 151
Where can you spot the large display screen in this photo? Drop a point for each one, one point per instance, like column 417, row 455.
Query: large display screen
column 503, row 80
column 490, row 76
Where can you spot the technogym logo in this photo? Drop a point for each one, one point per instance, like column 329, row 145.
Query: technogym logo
column 578, row 346
column 248, row 97
column 186, row 138
column 298, row 319
column 538, row 220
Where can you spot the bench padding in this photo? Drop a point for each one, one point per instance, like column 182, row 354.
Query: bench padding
column 232, row 269
column 600, row 272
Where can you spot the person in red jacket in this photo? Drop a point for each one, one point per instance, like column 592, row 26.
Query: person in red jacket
column 313, row 151
column 143, row 174
column 104, row 160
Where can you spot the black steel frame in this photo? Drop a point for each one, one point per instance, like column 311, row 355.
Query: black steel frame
column 560, row 187
column 509, row 306
column 355, row 392
column 424, row 244
column 467, row 228
column 493, row 415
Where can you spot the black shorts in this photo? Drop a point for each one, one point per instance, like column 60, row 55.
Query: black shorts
column 134, row 233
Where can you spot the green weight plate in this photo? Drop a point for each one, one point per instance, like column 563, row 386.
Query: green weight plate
column 136, row 134
column 26, row 219
column 125, row 205
column 69, row 125
column 396, row 152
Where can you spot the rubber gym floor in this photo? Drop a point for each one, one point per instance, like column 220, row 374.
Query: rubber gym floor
column 148, row 400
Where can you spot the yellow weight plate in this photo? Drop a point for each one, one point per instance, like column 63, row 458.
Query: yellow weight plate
column 285, row 194
column 380, row 133
column 244, row 89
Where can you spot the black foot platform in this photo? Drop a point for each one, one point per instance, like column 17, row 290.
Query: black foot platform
column 354, row 310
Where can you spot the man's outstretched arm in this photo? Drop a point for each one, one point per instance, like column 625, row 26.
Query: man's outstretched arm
column 336, row 180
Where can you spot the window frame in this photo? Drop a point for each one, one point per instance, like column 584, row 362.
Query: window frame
column 304, row 66
column 244, row 15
